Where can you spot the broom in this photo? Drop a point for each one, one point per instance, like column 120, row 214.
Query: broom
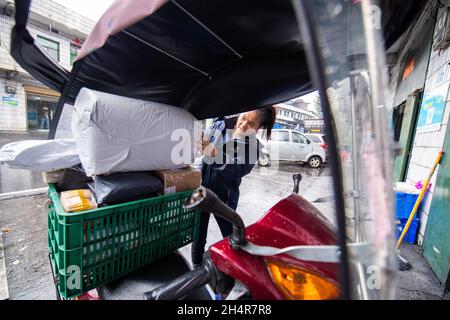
column 403, row 264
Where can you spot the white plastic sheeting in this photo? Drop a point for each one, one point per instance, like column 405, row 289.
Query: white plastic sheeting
column 116, row 134
column 64, row 128
column 40, row 155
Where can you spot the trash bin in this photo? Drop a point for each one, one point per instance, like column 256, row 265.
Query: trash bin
column 405, row 199
column 410, row 236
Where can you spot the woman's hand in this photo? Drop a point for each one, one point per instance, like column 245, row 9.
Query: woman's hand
column 208, row 148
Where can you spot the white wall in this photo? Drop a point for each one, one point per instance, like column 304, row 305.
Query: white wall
column 13, row 117
column 426, row 145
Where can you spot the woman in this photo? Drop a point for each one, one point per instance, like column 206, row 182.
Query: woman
column 230, row 150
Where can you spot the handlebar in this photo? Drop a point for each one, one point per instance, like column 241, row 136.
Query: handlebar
column 183, row 285
column 206, row 200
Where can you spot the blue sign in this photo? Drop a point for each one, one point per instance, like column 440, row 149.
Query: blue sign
column 432, row 109
column 277, row 126
column 32, row 116
column 9, row 101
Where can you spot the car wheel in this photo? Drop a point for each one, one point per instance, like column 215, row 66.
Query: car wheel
column 264, row 161
column 314, row 162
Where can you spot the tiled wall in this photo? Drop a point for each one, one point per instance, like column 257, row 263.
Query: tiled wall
column 426, row 145
column 62, row 15
column 14, row 117
column 6, row 61
column 35, row 28
column 61, row 38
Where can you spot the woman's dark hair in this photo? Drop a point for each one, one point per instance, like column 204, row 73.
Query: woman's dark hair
column 268, row 115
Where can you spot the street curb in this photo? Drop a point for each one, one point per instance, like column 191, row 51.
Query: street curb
column 4, row 293
column 23, row 193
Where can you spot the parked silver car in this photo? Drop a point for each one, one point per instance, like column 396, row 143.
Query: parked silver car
column 291, row 145
column 320, row 139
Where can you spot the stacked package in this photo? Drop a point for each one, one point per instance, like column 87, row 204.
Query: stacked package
column 179, row 180
column 77, row 200
column 122, row 149
column 119, row 134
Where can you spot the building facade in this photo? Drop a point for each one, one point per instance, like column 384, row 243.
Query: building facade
column 420, row 81
column 25, row 103
column 292, row 117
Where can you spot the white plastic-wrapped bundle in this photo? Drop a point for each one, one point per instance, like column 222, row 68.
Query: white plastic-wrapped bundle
column 117, row 134
column 40, row 155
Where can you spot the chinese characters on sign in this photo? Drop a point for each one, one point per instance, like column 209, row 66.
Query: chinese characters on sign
column 9, row 101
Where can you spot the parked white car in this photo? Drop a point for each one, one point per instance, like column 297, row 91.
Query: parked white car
column 291, row 145
column 320, row 139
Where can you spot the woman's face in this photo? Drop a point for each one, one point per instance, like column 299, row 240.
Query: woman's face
column 247, row 124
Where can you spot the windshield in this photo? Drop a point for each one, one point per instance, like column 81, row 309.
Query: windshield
column 355, row 89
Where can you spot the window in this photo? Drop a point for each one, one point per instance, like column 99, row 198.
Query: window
column 40, row 111
column 280, row 136
column 314, row 138
column 298, row 138
column 52, row 47
column 73, row 52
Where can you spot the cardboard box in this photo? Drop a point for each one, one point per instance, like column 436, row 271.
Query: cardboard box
column 52, row 176
column 179, row 180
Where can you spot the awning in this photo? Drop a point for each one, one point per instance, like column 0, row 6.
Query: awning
column 41, row 91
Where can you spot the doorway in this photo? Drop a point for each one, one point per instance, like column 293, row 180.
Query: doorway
column 404, row 119
column 40, row 111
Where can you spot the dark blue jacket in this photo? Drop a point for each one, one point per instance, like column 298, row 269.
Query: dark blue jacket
column 235, row 160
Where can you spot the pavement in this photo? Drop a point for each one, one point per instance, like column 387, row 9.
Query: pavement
column 23, row 222
column 16, row 179
column 24, row 225
column 419, row 283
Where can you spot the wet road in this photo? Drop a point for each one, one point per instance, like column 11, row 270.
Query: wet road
column 265, row 186
column 17, row 179
column 24, row 222
column 25, row 242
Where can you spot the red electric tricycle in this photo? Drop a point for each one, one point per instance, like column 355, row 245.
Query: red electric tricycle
column 220, row 57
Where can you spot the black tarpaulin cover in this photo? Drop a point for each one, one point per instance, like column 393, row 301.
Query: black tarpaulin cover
column 211, row 57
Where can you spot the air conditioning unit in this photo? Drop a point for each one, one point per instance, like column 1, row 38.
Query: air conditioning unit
column 8, row 9
column 441, row 37
column 10, row 90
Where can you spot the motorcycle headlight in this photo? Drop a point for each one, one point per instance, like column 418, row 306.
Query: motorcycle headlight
column 300, row 284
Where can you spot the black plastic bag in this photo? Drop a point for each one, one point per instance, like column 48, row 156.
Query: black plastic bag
column 124, row 186
column 74, row 178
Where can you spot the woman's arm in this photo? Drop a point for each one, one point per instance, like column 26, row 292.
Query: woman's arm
column 208, row 149
column 212, row 141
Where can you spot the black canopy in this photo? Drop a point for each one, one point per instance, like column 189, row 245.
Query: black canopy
column 211, row 57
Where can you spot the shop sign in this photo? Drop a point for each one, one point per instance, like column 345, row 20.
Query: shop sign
column 432, row 110
column 9, row 101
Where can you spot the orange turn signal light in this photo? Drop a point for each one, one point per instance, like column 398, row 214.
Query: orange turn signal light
column 300, row 284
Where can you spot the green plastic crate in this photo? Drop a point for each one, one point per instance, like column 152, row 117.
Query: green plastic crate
column 91, row 248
